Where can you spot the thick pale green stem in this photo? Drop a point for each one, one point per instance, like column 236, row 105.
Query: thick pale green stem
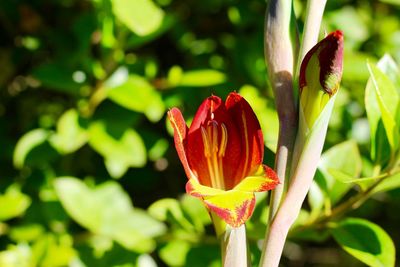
column 234, row 247
column 279, row 56
column 280, row 46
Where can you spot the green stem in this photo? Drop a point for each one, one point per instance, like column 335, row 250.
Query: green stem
column 280, row 48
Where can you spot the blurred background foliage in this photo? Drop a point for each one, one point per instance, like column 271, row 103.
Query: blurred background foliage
column 88, row 172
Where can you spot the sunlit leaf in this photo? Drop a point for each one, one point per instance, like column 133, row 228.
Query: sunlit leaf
column 388, row 101
column 107, row 210
column 137, row 94
column 334, row 159
column 27, row 143
column 53, row 251
column 379, row 140
column 119, row 152
column 26, row 233
column 201, row 78
column 13, row 203
column 17, row 256
column 366, row 241
column 70, row 135
column 142, row 17
column 169, row 209
column 174, row 253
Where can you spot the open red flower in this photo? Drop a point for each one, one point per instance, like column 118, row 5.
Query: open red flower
column 222, row 155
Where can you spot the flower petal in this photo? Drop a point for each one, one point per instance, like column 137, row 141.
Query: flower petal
column 252, row 142
column 234, row 207
column 194, row 188
column 180, row 133
column 267, row 181
column 213, row 109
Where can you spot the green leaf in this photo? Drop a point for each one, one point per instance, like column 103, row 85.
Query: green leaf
column 174, row 253
column 13, row 203
column 388, row 102
column 57, row 77
column 26, row 233
column 53, row 251
column 379, row 141
column 393, row 2
column 137, row 94
column 389, row 183
column 107, row 210
column 119, row 152
column 142, row 17
column 343, row 158
column 201, row 78
column 27, row 143
column 17, row 256
column 70, row 135
column 366, row 241
column 169, row 209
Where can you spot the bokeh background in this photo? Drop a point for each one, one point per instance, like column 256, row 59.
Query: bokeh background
column 89, row 175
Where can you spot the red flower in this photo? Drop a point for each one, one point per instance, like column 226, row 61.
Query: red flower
column 222, row 155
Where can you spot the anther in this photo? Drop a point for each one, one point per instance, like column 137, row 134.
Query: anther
column 224, row 141
column 206, row 143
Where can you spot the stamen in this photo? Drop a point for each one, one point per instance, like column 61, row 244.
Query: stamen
column 214, row 151
column 224, row 141
column 206, row 143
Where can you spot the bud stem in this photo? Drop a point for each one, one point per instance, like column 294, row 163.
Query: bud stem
column 314, row 12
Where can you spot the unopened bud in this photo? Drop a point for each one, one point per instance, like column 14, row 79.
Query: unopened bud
column 320, row 75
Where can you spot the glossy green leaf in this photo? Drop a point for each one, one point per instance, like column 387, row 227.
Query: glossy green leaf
column 344, row 158
column 201, row 78
column 366, row 241
column 27, row 143
column 107, row 210
column 13, row 203
column 70, row 135
column 142, row 17
column 379, row 140
column 388, row 101
column 137, row 94
column 119, row 152
column 388, row 183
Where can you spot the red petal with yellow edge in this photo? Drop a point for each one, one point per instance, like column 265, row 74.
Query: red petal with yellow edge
column 252, row 142
column 269, row 180
column 212, row 109
column 180, row 132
